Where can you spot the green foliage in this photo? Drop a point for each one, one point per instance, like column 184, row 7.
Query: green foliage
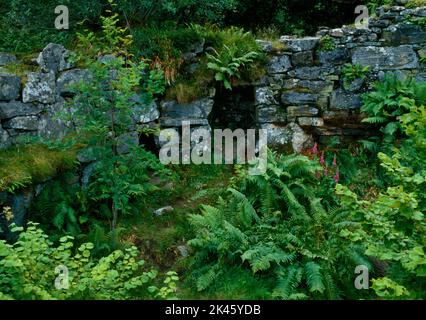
column 374, row 4
column 352, row 72
column 236, row 53
column 327, row 44
column 391, row 99
column 281, row 231
column 227, row 65
column 28, row 269
column 415, row 3
column 28, row 26
column 62, row 206
column 393, row 223
column 417, row 21
column 103, row 108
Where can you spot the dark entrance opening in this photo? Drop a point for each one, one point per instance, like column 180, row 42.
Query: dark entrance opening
column 148, row 142
column 234, row 109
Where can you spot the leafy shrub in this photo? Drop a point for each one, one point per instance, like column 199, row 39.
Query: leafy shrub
column 103, row 108
column 28, row 271
column 393, row 223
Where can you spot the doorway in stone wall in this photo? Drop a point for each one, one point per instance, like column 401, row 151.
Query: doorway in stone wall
column 234, row 109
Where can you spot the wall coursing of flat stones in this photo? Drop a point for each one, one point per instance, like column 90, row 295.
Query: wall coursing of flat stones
column 300, row 100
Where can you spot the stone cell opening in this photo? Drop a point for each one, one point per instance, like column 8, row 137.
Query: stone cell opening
column 234, row 109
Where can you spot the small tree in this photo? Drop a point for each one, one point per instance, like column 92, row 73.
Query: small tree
column 102, row 110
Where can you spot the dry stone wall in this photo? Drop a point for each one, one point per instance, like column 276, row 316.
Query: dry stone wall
column 302, row 98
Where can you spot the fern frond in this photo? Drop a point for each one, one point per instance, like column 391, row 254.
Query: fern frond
column 314, row 277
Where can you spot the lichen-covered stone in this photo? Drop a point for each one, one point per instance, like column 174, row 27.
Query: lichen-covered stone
column 144, row 112
column 310, row 122
column 300, row 44
column 10, row 86
column 271, row 114
column 197, row 112
column 68, row 78
column 40, row 87
column 50, row 124
column 15, row 109
column 278, row 64
column 28, row 123
column 302, row 111
column 54, row 57
column 264, row 96
column 342, row 100
column 386, row 58
column 4, row 138
column 310, row 73
column 333, row 57
column 308, row 86
column 404, row 34
column 304, row 58
column 126, row 142
column 266, row 46
column 7, row 58
column 294, row 98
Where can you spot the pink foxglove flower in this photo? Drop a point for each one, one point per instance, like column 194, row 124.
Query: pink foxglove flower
column 322, row 160
column 326, row 171
column 337, row 176
column 314, row 150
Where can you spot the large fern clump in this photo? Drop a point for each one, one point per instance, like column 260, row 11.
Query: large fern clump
column 276, row 227
column 391, row 99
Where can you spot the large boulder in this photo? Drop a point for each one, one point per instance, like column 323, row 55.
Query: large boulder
column 54, row 57
column 386, row 58
column 10, row 86
column 16, row 109
column 40, row 87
